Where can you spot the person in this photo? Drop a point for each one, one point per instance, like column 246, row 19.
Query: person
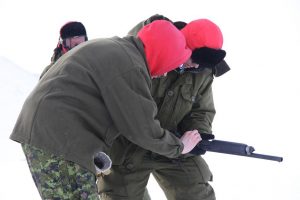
column 88, row 98
column 71, row 34
column 185, row 101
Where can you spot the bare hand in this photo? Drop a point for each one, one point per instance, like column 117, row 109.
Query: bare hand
column 190, row 139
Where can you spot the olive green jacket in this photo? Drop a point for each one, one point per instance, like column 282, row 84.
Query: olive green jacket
column 88, row 98
column 185, row 101
column 46, row 69
column 56, row 55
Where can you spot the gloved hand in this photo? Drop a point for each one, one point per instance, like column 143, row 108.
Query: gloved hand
column 207, row 136
column 197, row 150
column 102, row 163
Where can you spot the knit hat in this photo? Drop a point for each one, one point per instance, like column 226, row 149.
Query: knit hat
column 203, row 33
column 164, row 45
column 72, row 29
column 206, row 40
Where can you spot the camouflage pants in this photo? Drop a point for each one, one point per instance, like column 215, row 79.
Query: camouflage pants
column 56, row 178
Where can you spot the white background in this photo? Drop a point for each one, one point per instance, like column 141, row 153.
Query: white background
column 257, row 102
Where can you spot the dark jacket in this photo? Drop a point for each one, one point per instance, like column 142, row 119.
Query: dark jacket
column 185, row 101
column 56, row 55
column 88, row 98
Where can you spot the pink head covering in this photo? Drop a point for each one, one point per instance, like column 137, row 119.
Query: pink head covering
column 165, row 47
column 203, row 33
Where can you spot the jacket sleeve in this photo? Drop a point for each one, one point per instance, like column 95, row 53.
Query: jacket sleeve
column 132, row 109
column 136, row 29
column 46, row 69
column 203, row 111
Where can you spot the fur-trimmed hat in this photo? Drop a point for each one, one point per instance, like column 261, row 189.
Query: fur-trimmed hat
column 203, row 33
column 72, row 29
column 206, row 40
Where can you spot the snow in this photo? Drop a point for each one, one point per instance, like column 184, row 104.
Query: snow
column 15, row 85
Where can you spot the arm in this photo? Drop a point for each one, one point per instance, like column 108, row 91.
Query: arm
column 56, row 55
column 133, row 112
column 46, row 69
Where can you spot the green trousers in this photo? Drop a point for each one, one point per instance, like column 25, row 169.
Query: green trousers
column 180, row 179
column 57, row 179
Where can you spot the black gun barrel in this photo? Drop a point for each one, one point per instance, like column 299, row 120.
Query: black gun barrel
column 234, row 148
column 266, row 157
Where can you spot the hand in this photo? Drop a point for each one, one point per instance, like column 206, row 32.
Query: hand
column 197, row 150
column 190, row 139
column 207, row 136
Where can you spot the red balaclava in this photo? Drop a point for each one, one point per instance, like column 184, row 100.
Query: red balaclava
column 203, row 33
column 165, row 47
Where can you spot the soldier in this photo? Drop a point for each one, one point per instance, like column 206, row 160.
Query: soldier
column 185, row 101
column 71, row 34
column 88, row 98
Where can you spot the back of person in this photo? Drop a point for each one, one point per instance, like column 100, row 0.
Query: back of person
column 71, row 34
column 90, row 96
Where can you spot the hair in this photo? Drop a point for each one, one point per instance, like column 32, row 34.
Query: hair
column 180, row 24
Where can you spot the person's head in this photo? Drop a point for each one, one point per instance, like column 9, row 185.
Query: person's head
column 164, row 46
column 205, row 39
column 72, row 34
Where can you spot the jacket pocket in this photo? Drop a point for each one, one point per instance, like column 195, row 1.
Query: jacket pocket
column 185, row 101
column 190, row 171
column 204, row 173
column 188, row 94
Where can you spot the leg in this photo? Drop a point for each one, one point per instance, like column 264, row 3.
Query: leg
column 146, row 195
column 185, row 178
column 127, row 180
column 123, row 184
column 56, row 178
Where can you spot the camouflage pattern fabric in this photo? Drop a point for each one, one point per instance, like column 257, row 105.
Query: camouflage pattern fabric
column 56, row 178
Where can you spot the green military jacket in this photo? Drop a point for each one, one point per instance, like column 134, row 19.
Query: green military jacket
column 56, row 55
column 185, row 101
column 88, row 98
